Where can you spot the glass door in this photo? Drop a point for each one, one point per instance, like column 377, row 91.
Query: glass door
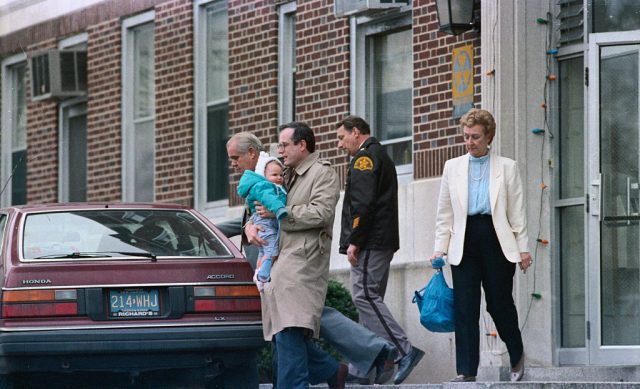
column 613, row 277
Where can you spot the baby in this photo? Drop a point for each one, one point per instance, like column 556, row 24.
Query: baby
column 265, row 186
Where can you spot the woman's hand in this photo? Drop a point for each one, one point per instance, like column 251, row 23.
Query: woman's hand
column 525, row 261
column 437, row 254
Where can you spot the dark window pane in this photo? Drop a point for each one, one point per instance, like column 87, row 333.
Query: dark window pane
column 572, row 270
column 217, row 162
column 19, row 178
column 81, row 58
column 67, row 70
column 572, row 131
column 78, row 158
column 618, row 15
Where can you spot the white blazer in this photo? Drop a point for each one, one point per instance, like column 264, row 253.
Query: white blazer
column 507, row 208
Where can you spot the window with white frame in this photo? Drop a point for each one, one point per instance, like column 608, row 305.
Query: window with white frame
column 138, row 108
column 287, row 63
column 212, row 101
column 72, row 149
column 382, row 65
column 14, row 131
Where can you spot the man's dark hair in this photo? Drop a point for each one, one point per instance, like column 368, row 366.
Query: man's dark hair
column 301, row 131
column 352, row 121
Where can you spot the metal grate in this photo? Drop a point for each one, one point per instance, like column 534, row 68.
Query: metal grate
column 571, row 18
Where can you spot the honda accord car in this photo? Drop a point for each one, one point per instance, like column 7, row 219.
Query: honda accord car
column 128, row 288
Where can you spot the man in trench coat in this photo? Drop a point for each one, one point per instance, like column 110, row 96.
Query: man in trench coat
column 293, row 301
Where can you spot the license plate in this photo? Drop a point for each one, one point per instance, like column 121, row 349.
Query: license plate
column 134, row 303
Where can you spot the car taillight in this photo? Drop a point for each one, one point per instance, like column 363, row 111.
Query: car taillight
column 228, row 298
column 39, row 303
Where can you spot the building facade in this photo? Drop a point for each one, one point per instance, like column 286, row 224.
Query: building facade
column 113, row 100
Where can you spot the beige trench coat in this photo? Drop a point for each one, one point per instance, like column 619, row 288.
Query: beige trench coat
column 295, row 296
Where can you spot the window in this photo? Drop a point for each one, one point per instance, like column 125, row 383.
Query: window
column 212, row 100
column 619, row 15
column 72, row 148
column 14, row 131
column 570, row 203
column 382, row 65
column 287, row 64
column 111, row 233
column 138, row 108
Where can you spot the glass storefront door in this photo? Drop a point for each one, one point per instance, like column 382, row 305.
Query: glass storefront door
column 613, row 236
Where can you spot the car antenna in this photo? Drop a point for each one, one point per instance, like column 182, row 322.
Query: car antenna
column 11, row 175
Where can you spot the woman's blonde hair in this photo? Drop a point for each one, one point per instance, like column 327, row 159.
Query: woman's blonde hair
column 480, row 116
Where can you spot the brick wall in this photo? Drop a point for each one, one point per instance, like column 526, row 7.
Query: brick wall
column 104, row 131
column 174, row 102
column 436, row 136
column 42, row 141
column 253, row 73
column 322, row 95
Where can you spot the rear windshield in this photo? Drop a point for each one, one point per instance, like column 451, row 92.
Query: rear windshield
column 106, row 233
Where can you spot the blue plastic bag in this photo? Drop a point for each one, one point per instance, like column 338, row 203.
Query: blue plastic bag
column 435, row 302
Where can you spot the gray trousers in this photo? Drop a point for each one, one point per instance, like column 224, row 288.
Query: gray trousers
column 356, row 343
column 368, row 287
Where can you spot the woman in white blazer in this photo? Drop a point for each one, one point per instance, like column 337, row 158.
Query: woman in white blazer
column 481, row 227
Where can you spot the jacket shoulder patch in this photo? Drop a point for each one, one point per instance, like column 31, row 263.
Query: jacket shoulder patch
column 363, row 163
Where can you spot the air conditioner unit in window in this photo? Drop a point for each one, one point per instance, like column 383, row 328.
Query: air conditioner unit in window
column 58, row 74
column 359, row 7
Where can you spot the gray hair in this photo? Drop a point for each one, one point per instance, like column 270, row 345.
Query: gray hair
column 245, row 141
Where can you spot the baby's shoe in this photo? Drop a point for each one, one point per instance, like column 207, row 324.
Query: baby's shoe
column 259, row 284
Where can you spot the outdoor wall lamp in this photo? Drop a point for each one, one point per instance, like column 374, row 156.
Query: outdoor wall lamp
column 457, row 16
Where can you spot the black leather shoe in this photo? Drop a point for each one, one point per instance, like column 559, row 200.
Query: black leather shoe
column 407, row 363
column 337, row 381
column 385, row 364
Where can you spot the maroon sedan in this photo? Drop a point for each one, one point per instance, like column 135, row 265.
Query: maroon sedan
column 129, row 288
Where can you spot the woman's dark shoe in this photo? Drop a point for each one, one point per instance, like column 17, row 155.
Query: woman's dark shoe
column 464, row 378
column 518, row 370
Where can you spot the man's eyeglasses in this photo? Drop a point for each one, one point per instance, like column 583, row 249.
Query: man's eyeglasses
column 284, row 145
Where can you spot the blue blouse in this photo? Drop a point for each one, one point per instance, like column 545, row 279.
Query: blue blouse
column 479, row 173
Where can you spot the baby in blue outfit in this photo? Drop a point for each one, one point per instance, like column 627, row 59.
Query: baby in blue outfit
column 265, row 186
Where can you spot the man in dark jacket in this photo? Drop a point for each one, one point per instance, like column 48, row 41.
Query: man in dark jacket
column 370, row 236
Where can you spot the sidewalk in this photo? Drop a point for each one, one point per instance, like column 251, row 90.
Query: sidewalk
column 496, row 385
column 570, row 377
